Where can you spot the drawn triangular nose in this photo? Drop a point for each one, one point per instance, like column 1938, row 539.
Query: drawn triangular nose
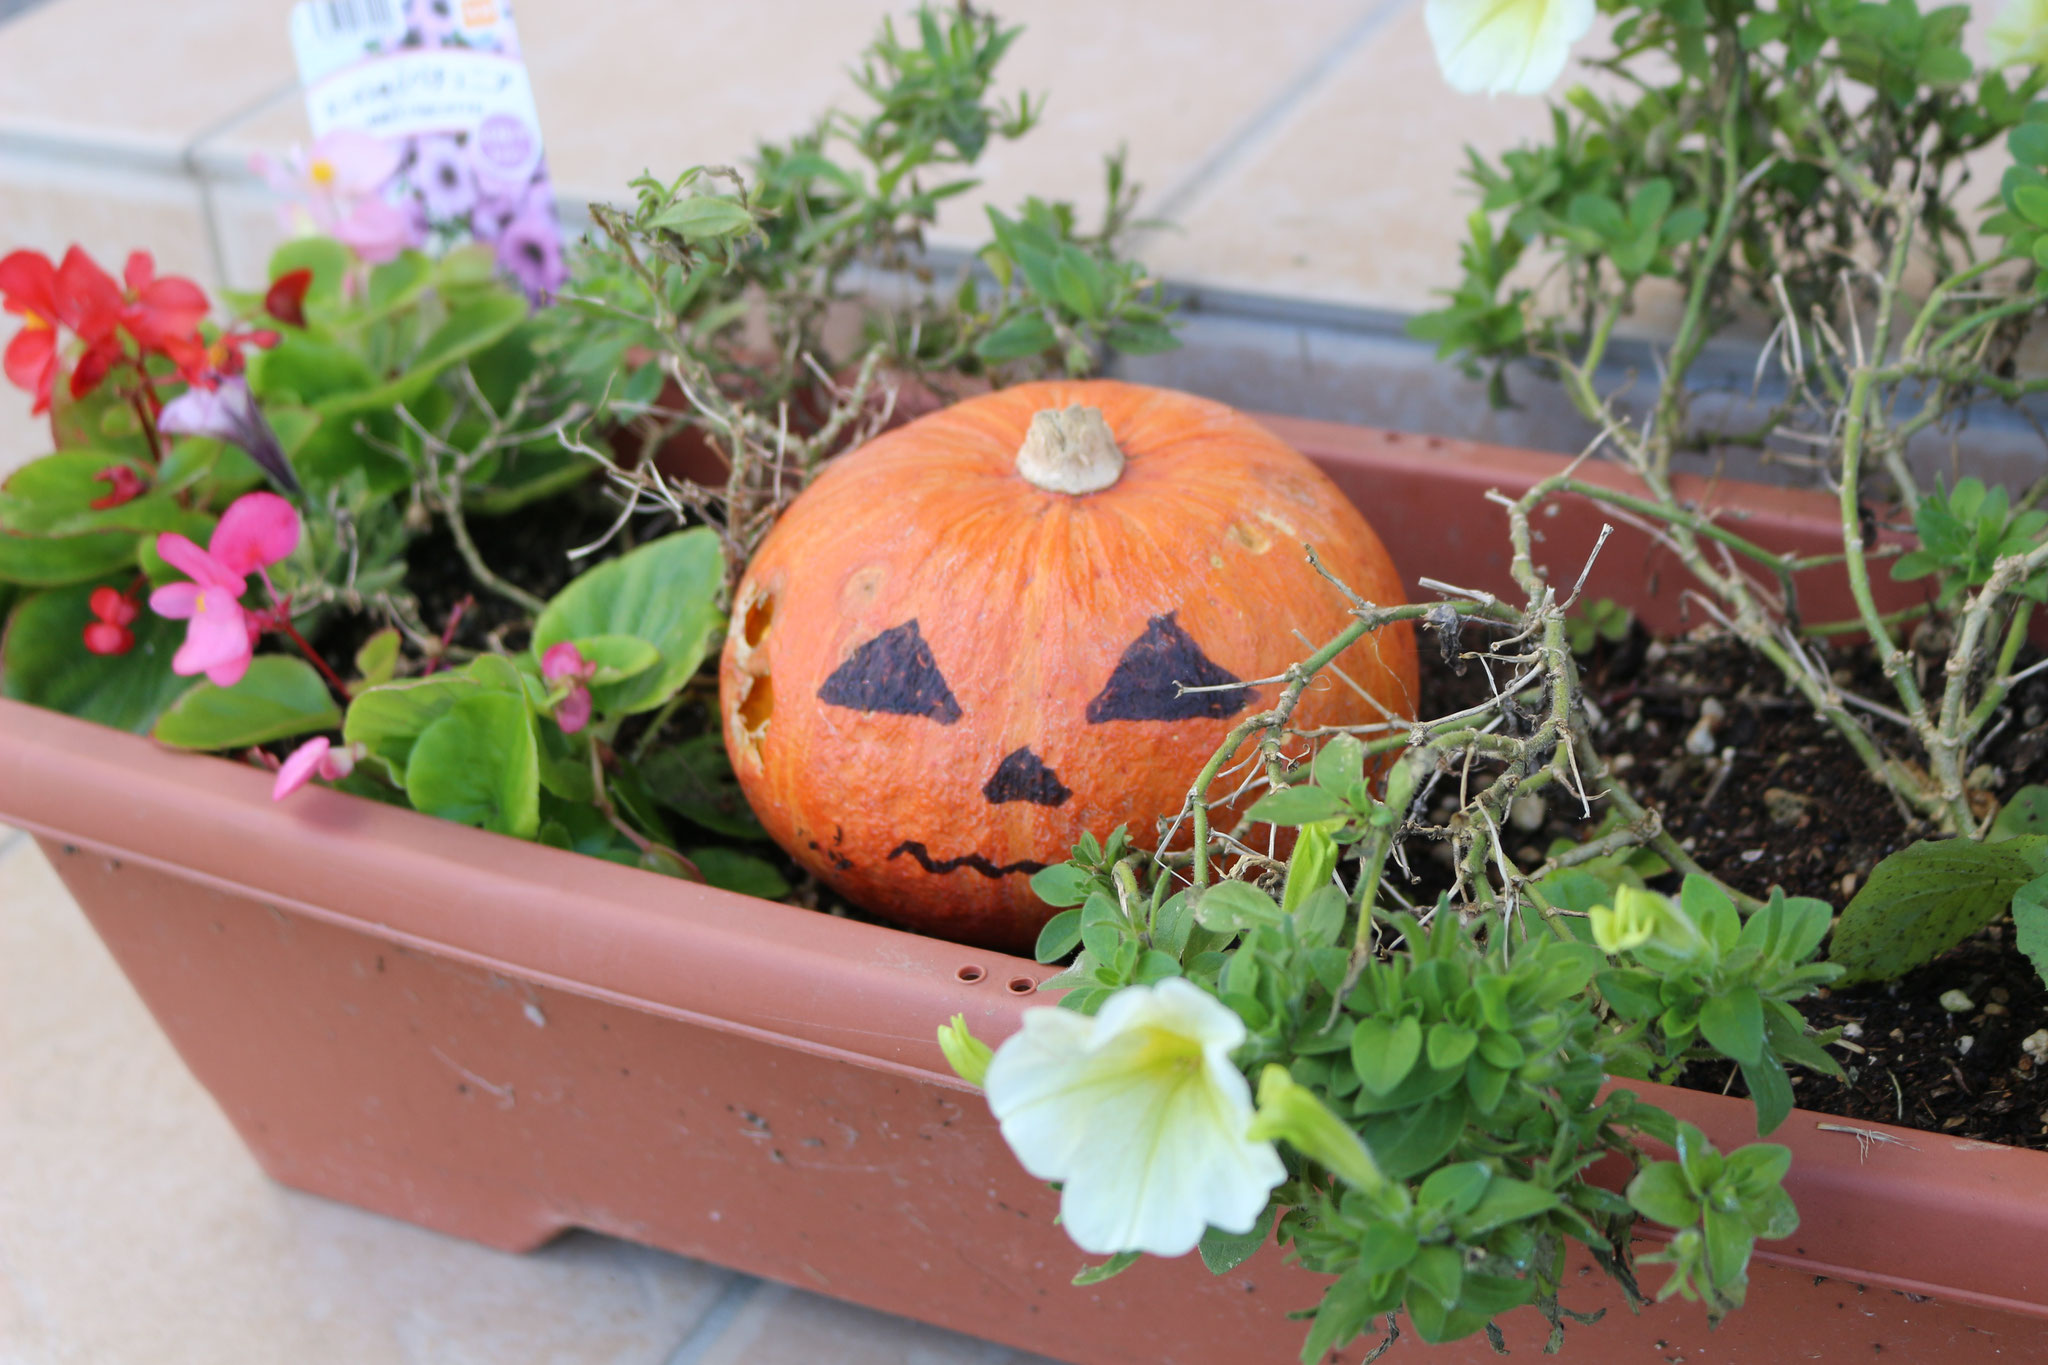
column 1023, row 776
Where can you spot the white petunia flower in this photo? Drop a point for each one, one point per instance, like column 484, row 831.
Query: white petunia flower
column 1140, row 1112
column 2019, row 34
column 1505, row 47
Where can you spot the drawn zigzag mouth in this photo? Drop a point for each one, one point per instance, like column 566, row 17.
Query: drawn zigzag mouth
column 973, row 860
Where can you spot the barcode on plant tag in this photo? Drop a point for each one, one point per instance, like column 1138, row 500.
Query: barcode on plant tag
column 352, row 18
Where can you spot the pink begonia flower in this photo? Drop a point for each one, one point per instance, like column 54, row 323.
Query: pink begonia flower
column 256, row 531
column 317, row 756
column 565, row 663
column 337, row 188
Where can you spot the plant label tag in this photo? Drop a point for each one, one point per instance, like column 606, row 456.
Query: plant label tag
column 442, row 82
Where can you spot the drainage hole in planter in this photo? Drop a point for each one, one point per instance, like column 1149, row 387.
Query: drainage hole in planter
column 1022, row 985
column 970, row 973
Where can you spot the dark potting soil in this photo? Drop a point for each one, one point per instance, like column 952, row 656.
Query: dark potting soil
column 1781, row 800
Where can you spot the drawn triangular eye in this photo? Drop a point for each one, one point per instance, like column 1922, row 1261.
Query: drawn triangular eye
column 1023, row 776
column 1142, row 687
column 893, row 673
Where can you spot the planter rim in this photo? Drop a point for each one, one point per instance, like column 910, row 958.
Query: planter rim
column 872, row 996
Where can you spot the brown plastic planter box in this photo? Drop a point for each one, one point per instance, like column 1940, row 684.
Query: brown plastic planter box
column 502, row 1041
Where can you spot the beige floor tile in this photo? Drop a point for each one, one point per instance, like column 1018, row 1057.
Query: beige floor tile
column 134, row 1229
column 782, row 1326
column 1358, row 196
column 147, row 78
column 646, row 84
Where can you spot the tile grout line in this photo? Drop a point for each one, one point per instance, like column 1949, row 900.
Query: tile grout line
column 1265, row 121
column 738, row 1292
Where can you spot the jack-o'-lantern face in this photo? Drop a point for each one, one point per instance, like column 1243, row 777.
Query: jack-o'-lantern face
column 896, row 674
column 927, row 707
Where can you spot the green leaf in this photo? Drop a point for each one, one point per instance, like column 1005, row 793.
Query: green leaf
column 615, row 658
column 1297, row 806
column 53, row 496
column 1060, row 936
column 1079, row 282
column 1450, row 1044
column 1455, row 1188
column 1062, row 884
column 2030, row 922
column 1232, row 907
column 2024, row 812
column 1339, row 763
column 44, row 661
column 1383, row 1054
column 469, row 329
column 1733, row 1022
column 665, row 592
column 388, row 720
column 2029, row 144
column 1770, row 1090
column 377, row 660
column 1320, row 917
column 1760, row 29
column 1025, row 335
column 695, row 780
column 398, row 282
column 2031, row 203
column 36, row 562
column 704, row 218
column 1661, row 1194
column 729, row 869
column 479, row 765
column 1507, row 1200
column 1223, row 1251
column 279, row 697
column 1710, row 907
column 1109, row 1269
column 1928, row 897
column 1141, row 338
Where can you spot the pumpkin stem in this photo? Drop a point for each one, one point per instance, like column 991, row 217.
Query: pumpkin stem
column 1070, row 451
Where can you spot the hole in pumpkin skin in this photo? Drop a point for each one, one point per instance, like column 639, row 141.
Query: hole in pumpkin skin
column 970, row 974
column 757, row 706
column 759, row 616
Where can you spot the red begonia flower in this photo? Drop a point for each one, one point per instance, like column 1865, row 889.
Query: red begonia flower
column 286, row 299
column 123, row 485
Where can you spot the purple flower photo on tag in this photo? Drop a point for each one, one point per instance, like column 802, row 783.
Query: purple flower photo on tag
column 439, row 84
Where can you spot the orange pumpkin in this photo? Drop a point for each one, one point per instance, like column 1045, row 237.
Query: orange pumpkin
column 958, row 649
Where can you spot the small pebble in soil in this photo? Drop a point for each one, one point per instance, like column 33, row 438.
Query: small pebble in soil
column 2035, row 1045
column 1964, row 1044
column 1527, row 813
column 1957, row 1002
column 1699, row 741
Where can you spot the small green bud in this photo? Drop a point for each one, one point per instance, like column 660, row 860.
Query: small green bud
column 1629, row 923
column 1290, row 1112
column 1315, row 858
column 968, row 1055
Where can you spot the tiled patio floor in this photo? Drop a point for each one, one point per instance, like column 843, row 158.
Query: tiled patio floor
column 135, row 1230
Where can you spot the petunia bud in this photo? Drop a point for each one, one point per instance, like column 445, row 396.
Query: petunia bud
column 1629, row 923
column 968, row 1055
column 1290, row 1112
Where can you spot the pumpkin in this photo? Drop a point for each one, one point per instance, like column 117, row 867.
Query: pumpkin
column 966, row 643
